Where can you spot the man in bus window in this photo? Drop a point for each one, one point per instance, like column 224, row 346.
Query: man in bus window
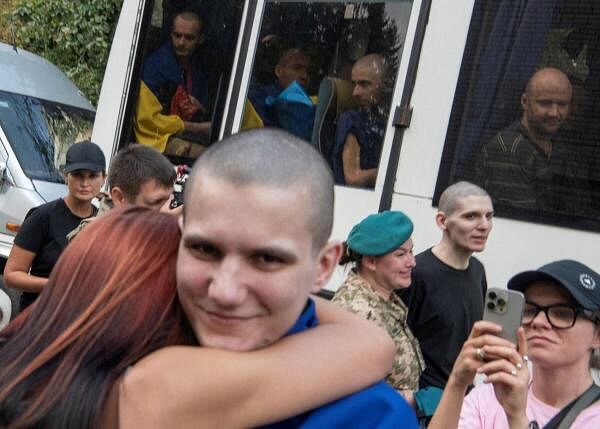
column 448, row 283
column 171, row 106
column 359, row 133
column 525, row 165
column 267, row 105
column 255, row 244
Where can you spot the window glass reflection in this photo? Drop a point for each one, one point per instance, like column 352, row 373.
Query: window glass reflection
column 325, row 71
column 525, row 119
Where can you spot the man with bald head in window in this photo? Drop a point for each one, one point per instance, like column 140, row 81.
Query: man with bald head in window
column 359, row 132
column 525, row 166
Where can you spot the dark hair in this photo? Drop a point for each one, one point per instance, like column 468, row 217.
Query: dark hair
column 110, row 300
column 189, row 13
column 349, row 256
column 274, row 158
column 136, row 164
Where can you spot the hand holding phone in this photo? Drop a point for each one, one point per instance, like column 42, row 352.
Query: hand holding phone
column 505, row 308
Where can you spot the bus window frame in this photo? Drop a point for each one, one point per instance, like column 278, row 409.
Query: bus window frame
column 447, row 168
column 404, row 82
column 125, row 136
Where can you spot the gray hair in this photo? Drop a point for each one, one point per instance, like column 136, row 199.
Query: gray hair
column 454, row 193
column 277, row 159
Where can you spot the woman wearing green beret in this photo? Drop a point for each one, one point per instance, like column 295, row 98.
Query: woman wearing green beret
column 380, row 251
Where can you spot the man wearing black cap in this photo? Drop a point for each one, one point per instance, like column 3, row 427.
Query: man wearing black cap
column 43, row 234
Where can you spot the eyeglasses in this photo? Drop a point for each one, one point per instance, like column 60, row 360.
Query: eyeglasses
column 560, row 316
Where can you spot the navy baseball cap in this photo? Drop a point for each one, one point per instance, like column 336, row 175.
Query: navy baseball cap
column 85, row 155
column 581, row 281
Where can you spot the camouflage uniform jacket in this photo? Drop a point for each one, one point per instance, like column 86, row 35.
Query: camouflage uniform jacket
column 358, row 296
column 104, row 206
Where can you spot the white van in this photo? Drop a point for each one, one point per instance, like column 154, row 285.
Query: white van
column 459, row 68
column 41, row 114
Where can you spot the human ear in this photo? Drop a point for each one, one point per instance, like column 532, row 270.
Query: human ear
column 524, row 101
column 117, row 196
column 440, row 220
column 369, row 262
column 596, row 340
column 327, row 260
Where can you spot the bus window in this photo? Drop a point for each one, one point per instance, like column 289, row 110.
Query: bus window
column 325, row 71
column 188, row 51
column 525, row 123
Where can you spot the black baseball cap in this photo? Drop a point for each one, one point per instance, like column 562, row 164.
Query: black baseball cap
column 85, row 155
column 581, row 281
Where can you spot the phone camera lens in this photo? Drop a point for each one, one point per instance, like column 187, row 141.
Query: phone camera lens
column 492, row 295
column 491, row 305
column 501, row 302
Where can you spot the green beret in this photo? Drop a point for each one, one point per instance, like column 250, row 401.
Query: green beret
column 380, row 233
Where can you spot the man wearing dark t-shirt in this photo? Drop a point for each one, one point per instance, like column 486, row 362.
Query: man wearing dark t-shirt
column 448, row 283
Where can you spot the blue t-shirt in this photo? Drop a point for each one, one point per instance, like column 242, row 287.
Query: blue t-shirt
column 368, row 128
column 376, row 407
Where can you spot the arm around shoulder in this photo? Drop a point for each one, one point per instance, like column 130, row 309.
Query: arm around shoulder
column 192, row 386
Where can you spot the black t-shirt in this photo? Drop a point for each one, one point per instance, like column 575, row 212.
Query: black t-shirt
column 44, row 232
column 443, row 304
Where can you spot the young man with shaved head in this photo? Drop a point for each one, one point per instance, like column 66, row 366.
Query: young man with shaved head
column 448, row 283
column 525, row 166
column 359, row 132
column 255, row 244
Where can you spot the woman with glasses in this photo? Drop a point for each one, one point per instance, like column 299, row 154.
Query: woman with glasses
column 560, row 335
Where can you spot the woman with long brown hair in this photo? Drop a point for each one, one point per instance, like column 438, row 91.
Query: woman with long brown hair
column 111, row 304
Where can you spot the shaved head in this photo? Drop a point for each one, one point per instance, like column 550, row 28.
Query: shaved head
column 548, row 78
column 546, row 102
column 450, row 198
column 375, row 62
column 271, row 158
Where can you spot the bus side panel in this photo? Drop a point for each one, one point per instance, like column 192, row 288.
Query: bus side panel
column 117, row 78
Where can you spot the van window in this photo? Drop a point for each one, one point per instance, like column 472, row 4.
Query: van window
column 188, row 53
column 43, row 131
column 325, row 71
column 525, row 120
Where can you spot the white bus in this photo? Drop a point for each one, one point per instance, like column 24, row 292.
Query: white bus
column 458, row 69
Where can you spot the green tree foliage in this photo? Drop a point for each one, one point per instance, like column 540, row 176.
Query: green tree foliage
column 74, row 35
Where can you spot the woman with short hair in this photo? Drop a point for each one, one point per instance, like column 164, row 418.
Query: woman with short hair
column 560, row 333
column 108, row 328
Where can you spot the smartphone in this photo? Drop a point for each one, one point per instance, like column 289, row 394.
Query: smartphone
column 505, row 308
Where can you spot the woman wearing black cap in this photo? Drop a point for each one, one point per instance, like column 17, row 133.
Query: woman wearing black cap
column 560, row 334
column 43, row 234
column 380, row 249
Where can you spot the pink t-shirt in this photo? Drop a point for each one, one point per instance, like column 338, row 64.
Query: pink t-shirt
column 481, row 410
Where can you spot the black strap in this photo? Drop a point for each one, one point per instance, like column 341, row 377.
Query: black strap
column 569, row 413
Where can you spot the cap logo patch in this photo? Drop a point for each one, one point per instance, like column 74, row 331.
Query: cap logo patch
column 587, row 281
